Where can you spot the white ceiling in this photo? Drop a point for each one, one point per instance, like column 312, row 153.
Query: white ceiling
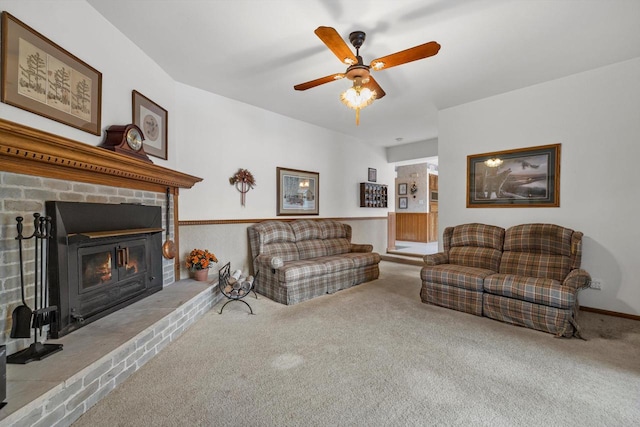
column 255, row 51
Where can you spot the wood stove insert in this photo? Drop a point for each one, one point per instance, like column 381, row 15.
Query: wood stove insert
column 104, row 257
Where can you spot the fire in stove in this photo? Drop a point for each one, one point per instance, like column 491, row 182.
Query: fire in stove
column 97, row 269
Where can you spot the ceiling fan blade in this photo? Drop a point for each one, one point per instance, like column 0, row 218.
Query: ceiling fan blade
column 318, row 82
column 373, row 85
column 412, row 54
column 336, row 44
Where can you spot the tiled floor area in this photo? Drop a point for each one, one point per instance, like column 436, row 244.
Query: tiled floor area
column 418, row 248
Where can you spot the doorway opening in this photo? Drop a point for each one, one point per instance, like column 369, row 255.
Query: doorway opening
column 413, row 226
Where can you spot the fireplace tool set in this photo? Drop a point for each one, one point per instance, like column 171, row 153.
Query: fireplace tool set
column 23, row 318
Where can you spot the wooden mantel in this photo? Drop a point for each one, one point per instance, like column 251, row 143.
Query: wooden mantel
column 31, row 151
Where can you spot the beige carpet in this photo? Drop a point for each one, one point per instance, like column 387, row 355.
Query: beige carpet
column 376, row 355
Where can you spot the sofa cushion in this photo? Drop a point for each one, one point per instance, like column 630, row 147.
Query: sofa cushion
column 539, row 238
column 306, row 229
column 479, row 235
column 469, row 256
column 302, row 269
column 538, row 250
column 363, row 259
column 275, row 232
column 333, row 229
column 337, row 246
column 474, row 245
column 543, row 291
column 311, row 248
column 456, row 275
column 285, row 251
column 336, row 263
column 544, row 266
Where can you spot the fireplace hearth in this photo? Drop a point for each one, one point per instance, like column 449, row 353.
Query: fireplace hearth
column 103, row 258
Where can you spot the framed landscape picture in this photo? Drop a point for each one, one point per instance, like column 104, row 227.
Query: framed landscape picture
column 41, row 77
column 525, row 177
column 152, row 119
column 297, row 192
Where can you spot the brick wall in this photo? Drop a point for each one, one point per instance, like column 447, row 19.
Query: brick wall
column 24, row 195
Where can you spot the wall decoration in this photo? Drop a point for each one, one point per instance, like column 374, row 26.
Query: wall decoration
column 244, row 181
column 153, row 120
column 403, row 202
column 402, row 189
column 298, row 192
column 373, row 175
column 414, row 189
column 525, row 177
column 41, row 77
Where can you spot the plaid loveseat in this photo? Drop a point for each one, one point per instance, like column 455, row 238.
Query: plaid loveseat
column 528, row 275
column 302, row 259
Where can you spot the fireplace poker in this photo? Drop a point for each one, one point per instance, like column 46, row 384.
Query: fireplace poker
column 21, row 316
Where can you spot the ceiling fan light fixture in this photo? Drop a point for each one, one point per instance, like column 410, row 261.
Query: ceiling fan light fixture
column 358, row 97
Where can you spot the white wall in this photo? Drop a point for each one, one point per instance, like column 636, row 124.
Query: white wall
column 219, row 135
column 413, row 150
column 78, row 28
column 595, row 116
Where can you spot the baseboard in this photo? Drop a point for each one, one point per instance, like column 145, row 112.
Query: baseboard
column 610, row 313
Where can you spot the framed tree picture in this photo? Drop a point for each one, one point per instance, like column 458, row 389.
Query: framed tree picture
column 525, row 177
column 41, row 77
column 297, row 192
column 153, row 120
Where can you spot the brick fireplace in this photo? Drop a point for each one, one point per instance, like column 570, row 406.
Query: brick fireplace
column 36, row 167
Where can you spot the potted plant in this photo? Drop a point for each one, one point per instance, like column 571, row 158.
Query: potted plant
column 199, row 262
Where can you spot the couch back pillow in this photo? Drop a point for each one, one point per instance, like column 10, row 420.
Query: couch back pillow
column 336, row 235
column 540, row 250
column 474, row 245
column 275, row 238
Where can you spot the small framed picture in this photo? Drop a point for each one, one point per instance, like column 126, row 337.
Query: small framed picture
column 402, row 202
column 402, row 189
column 373, row 175
column 152, row 119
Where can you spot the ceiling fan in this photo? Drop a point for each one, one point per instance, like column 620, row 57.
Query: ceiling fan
column 365, row 89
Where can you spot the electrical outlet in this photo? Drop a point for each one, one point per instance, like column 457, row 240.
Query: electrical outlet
column 595, row 284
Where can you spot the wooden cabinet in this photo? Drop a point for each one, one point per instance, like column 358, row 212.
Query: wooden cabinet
column 373, row 195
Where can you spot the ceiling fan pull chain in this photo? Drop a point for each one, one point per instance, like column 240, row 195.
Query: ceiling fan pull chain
column 357, row 117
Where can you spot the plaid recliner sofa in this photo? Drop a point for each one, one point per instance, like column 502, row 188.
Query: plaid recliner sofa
column 302, row 259
column 528, row 275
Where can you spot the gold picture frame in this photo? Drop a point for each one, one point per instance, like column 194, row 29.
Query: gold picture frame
column 43, row 78
column 152, row 119
column 298, row 192
column 520, row 178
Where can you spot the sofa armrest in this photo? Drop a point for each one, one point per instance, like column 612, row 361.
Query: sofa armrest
column 273, row 262
column 435, row 259
column 361, row 248
column 577, row 279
